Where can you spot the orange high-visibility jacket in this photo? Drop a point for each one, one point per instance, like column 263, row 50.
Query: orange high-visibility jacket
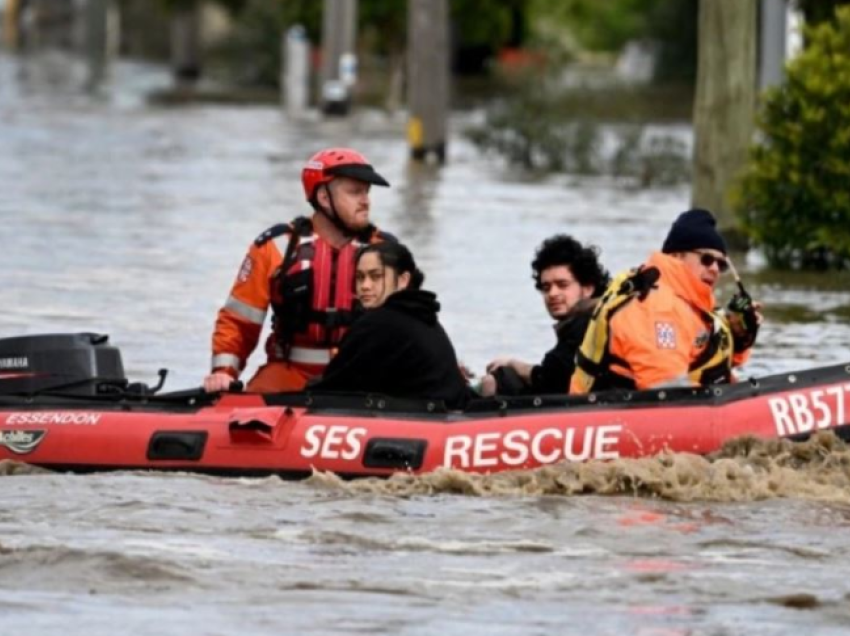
column 656, row 341
column 240, row 320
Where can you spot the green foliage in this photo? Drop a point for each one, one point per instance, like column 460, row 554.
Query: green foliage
column 483, row 22
column 605, row 26
column 794, row 198
column 675, row 23
column 544, row 130
column 817, row 11
column 608, row 25
column 486, row 25
column 521, row 129
column 383, row 25
column 251, row 56
column 233, row 6
column 657, row 160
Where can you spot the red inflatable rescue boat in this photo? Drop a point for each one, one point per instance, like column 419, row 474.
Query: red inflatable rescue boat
column 66, row 405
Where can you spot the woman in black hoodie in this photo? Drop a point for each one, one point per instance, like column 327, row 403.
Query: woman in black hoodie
column 398, row 347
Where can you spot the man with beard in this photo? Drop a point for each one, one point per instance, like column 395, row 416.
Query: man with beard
column 304, row 271
column 570, row 279
column 658, row 325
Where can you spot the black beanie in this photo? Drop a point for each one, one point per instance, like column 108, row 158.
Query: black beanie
column 693, row 230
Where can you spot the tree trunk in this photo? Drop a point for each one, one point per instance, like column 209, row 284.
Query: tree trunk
column 724, row 107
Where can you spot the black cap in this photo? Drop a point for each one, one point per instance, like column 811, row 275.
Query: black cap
column 360, row 171
column 693, row 230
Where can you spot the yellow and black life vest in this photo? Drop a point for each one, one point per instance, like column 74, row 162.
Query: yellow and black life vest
column 595, row 361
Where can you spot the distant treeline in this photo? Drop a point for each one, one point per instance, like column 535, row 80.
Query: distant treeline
column 562, row 29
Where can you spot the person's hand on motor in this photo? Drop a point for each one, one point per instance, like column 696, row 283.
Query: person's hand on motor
column 218, row 381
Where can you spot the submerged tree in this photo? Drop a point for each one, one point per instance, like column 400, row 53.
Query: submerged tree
column 793, row 199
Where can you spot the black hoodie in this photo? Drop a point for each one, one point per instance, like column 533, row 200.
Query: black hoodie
column 554, row 373
column 401, row 350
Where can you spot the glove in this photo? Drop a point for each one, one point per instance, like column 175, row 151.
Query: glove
column 743, row 321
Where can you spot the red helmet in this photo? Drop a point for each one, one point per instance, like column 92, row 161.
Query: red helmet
column 337, row 162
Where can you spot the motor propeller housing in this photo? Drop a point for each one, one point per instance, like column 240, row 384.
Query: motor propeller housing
column 75, row 364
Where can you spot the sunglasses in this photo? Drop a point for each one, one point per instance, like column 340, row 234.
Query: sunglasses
column 707, row 260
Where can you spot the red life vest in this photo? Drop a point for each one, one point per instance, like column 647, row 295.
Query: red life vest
column 312, row 296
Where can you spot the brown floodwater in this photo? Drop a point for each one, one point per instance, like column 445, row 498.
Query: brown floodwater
column 130, row 219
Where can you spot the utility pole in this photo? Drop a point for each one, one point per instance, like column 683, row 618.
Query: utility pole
column 339, row 59
column 428, row 77
column 295, row 79
column 96, row 41
column 724, row 107
column 186, row 42
column 773, row 42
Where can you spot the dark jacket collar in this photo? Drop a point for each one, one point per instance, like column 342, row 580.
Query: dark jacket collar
column 419, row 303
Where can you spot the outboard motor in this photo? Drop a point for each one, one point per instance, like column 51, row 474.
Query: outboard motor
column 74, row 364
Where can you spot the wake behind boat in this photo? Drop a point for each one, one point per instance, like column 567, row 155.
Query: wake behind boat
column 65, row 404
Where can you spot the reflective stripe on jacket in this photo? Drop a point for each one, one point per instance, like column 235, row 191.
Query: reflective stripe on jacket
column 258, row 283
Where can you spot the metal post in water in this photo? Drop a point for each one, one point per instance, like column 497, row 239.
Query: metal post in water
column 296, row 71
column 339, row 31
column 428, row 77
column 186, row 43
column 28, row 26
column 772, row 43
column 96, row 41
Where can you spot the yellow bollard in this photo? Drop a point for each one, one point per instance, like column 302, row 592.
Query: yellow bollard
column 414, row 134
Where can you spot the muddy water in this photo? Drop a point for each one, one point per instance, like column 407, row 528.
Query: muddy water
column 128, row 219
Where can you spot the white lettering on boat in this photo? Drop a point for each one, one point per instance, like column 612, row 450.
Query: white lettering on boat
column 21, row 362
column 546, row 446
column 806, row 411
column 333, row 442
column 50, row 417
